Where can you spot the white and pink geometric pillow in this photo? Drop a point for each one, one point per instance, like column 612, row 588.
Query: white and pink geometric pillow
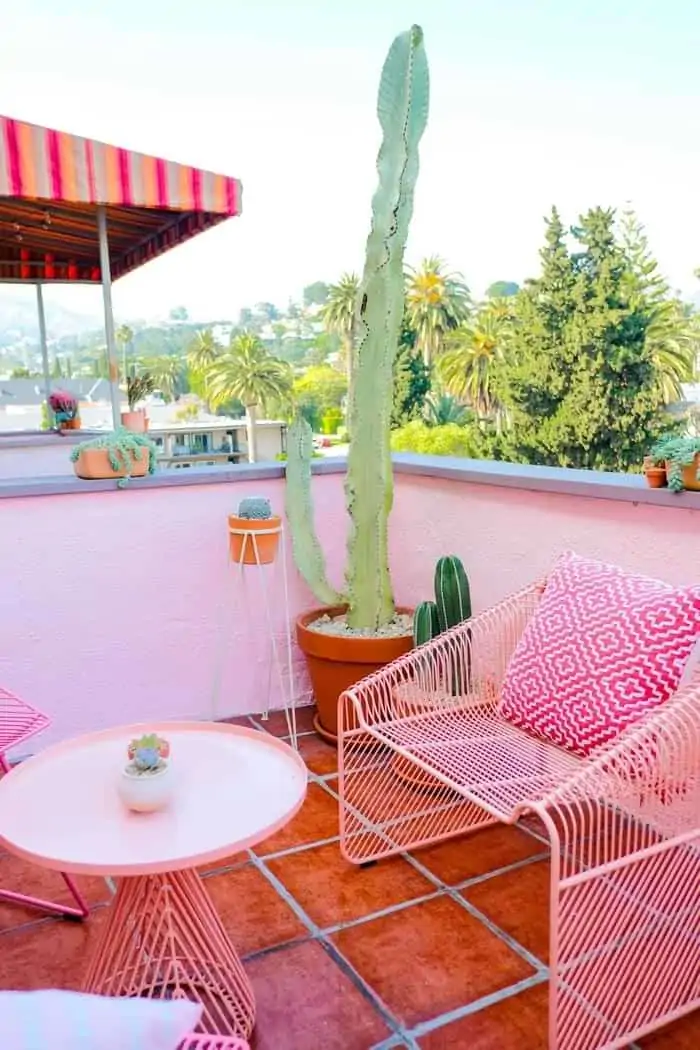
column 604, row 647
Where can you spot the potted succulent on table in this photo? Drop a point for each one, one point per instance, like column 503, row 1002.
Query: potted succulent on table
column 655, row 472
column 120, row 454
column 681, row 458
column 64, row 407
column 359, row 630
column 146, row 781
column 254, row 532
column 137, row 389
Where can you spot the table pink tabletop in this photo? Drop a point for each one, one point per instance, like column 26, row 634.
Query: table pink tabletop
column 233, row 787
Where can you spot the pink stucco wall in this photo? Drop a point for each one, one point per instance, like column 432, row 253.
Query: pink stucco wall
column 113, row 605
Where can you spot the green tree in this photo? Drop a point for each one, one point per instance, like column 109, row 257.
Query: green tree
column 580, row 389
column 339, row 317
column 316, row 294
column 202, row 352
column 502, row 290
column 670, row 333
column 20, row 372
column 168, row 375
column 449, row 439
column 248, row 372
column 125, row 337
column 445, row 409
column 178, row 313
column 411, row 380
column 316, row 391
column 436, row 302
column 56, row 370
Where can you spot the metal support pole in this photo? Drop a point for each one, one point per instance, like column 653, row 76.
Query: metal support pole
column 44, row 348
column 109, row 316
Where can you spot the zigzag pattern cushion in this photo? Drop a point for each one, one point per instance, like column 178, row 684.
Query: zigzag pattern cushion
column 604, row 647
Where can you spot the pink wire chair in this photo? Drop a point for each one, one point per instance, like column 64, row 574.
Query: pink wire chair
column 18, row 722
column 213, row 1042
column 419, row 765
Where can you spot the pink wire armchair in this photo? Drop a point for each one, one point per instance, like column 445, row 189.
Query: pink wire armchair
column 419, row 765
column 213, row 1042
column 18, row 722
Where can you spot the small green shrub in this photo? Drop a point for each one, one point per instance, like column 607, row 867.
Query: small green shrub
column 450, row 439
column 331, row 420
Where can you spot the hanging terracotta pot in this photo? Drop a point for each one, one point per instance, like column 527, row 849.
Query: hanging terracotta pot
column 242, row 545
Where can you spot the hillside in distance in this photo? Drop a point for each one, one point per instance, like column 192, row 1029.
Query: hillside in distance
column 18, row 317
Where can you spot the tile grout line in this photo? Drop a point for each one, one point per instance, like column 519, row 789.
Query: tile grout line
column 335, row 954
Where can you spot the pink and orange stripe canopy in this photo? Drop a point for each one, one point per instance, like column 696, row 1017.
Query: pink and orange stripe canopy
column 51, row 183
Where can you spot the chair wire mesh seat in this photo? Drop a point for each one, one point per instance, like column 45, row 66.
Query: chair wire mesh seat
column 18, row 722
column 213, row 1042
column 422, row 760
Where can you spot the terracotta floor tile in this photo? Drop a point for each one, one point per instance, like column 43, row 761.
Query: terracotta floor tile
column 22, row 877
column 316, row 820
column 320, row 757
column 519, row 904
column 236, row 860
column 54, row 954
column 681, row 1035
column 332, row 891
column 478, row 853
column 276, row 722
column 429, row 958
column 252, row 912
column 516, row 1023
column 305, row 1001
column 238, row 720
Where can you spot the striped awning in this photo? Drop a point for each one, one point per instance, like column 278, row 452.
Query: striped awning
column 51, row 183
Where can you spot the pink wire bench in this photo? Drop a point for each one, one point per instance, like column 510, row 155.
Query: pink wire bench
column 18, row 722
column 419, row 765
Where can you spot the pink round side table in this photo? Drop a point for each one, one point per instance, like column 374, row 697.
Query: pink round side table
column 233, row 787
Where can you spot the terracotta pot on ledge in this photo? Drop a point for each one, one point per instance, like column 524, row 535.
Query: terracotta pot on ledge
column 656, row 476
column 135, row 421
column 70, row 424
column 93, row 465
column 336, row 663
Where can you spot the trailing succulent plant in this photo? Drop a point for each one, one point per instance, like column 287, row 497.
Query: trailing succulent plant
column 452, row 606
column 148, row 754
column 402, row 109
column 255, row 508
column 676, row 453
column 124, row 449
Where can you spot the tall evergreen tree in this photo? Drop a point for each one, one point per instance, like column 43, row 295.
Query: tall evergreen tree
column 411, row 380
column 581, row 389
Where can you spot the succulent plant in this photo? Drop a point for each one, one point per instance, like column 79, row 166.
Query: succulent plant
column 676, row 453
column 124, row 448
column 148, row 753
column 63, row 405
column 255, row 508
column 402, row 109
column 138, row 388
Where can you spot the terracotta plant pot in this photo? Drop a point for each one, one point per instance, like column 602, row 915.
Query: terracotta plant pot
column 71, row 424
column 656, row 477
column 689, row 474
column 93, row 465
column 135, row 421
column 242, row 547
column 335, row 663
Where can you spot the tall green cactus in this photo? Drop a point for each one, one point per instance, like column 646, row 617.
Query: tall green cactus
column 402, row 109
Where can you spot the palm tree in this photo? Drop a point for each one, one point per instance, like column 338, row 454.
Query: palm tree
column 436, row 302
column 202, row 352
column 472, row 350
column 248, row 372
column 445, row 409
column 166, row 373
column 671, row 338
column 125, row 336
column 338, row 315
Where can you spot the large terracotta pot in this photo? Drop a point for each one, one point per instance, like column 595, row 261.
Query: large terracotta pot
column 242, row 547
column 93, row 465
column 335, row 663
column 135, row 421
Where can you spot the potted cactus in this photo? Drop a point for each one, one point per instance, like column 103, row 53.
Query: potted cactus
column 121, row 454
column 146, row 782
column 359, row 629
column 254, row 532
column 137, row 389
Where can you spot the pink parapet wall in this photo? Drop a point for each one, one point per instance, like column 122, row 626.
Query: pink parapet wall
column 508, row 537
column 119, row 607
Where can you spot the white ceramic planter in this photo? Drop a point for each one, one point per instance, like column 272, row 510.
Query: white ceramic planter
column 146, row 793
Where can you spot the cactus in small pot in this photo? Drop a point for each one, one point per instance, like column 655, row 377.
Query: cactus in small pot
column 254, row 532
column 366, row 600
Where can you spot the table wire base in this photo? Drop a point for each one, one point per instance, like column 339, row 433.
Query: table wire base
column 164, row 940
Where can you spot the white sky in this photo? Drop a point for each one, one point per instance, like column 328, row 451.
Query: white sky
column 531, row 105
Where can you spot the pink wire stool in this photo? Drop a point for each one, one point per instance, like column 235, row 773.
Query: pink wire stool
column 18, row 722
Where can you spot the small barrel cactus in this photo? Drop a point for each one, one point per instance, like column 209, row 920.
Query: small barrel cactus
column 255, row 508
column 426, row 624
